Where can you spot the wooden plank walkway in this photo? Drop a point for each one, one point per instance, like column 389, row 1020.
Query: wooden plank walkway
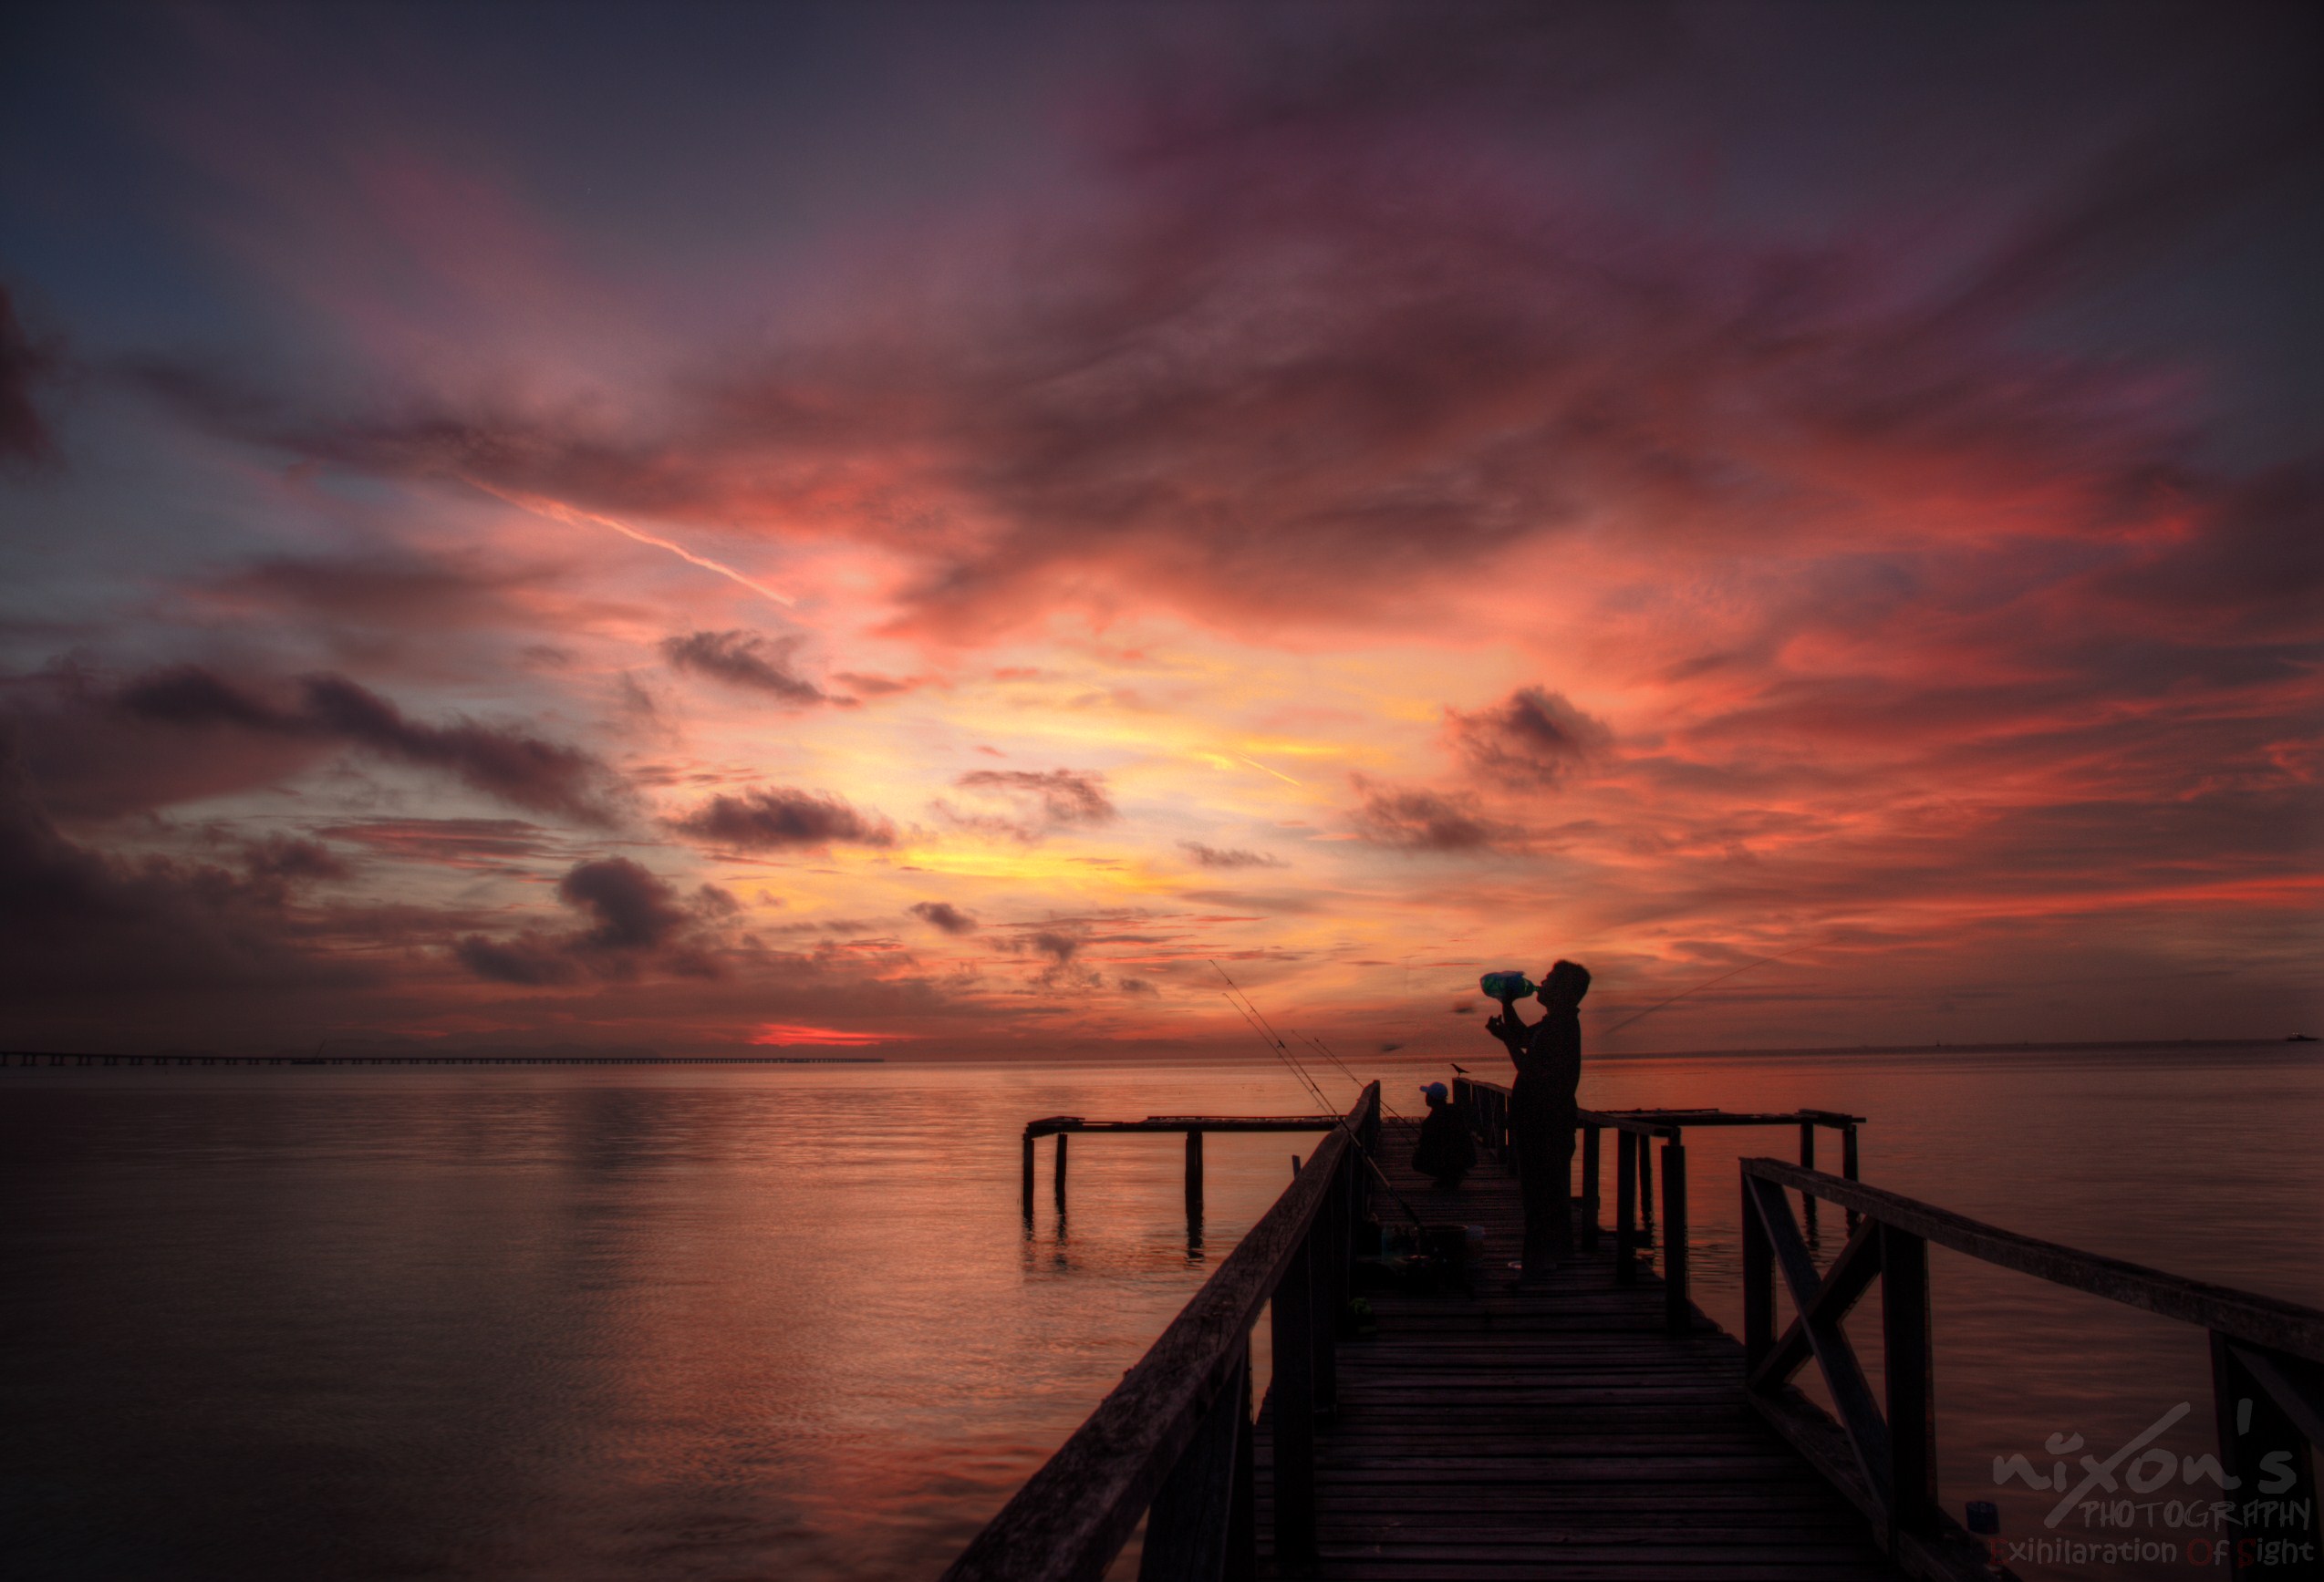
column 1555, row 1433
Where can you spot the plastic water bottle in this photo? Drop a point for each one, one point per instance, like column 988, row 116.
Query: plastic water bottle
column 1507, row 985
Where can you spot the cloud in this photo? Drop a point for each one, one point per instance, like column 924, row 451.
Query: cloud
column 781, row 818
column 637, row 923
column 80, row 922
column 944, row 915
column 511, row 764
column 1227, row 857
column 1534, row 738
column 287, row 858
column 1058, row 946
column 1028, row 805
column 92, row 758
column 635, row 910
column 489, row 846
column 1425, row 821
column 745, row 659
column 24, row 439
column 398, row 588
column 528, row 961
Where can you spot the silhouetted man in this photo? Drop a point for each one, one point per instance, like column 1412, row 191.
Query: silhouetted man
column 1446, row 1151
column 1540, row 1109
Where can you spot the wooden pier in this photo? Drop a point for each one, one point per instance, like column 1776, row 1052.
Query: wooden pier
column 1601, row 1427
column 1563, row 1432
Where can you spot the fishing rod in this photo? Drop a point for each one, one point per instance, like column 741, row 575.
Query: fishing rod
column 1707, row 982
column 1274, row 1040
column 1305, row 1080
column 1326, row 1051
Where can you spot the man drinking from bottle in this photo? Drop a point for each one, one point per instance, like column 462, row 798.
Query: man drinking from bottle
column 1548, row 1054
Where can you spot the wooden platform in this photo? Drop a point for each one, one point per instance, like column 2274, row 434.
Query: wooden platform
column 1558, row 1433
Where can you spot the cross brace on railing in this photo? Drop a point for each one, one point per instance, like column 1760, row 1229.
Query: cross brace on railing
column 2266, row 1356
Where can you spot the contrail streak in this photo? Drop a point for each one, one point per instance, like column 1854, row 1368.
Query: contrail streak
column 558, row 511
column 1262, row 769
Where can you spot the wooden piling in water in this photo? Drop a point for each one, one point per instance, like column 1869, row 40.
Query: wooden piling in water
column 1678, row 1309
column 1590, row 1174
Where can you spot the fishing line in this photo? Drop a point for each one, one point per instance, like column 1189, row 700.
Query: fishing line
column 1313, row 1091
column 1708, row 983
column 1274, row 1042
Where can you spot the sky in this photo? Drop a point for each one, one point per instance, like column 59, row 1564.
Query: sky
column 954, row 531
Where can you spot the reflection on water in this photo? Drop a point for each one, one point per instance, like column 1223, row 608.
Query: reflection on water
column 574, row 1324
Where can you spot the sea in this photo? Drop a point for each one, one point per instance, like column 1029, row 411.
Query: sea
column 604, row 1324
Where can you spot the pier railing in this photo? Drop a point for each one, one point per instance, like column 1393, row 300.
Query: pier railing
column 1173, row 1442
column 1064, row 1127
column 2267, row 1358
column 1635, row 1133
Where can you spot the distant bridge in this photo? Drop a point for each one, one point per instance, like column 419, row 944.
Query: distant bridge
column 49, row 1058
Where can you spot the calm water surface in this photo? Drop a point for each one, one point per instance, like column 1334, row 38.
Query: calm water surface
column 561, row 1323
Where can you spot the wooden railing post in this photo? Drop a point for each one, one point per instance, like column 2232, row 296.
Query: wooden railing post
column 2263, row 1444
column 1911, row 1416
column 1293, row 1326
column 1645, row 1192
column 1807, row 1161
column 1242, row 1516
column 1590, row 1174
column 1848, row 1164
column 1625, row 1208
column 1678, row 1311
column 1759, row 1287
column 1327, row 1273
column 1028, row 1193
column 1194, row 1181
column 1189, row 1527
column 1060, row 1187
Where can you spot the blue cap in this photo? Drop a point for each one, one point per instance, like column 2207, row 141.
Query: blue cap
column 1436, row 1091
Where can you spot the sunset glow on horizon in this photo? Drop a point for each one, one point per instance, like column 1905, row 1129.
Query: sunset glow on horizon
column 929, row 529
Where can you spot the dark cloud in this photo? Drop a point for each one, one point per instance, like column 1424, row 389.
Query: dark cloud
column 92, row 758
column 25, row 363
column 287, row 858
column 781, row 818
column 635, row 910
column 400, row 589
column 80, row 922
column 745, row 659
column 1532, row 738
column 528, row 961
column 943, row 914
column 1058, row 946
column 506, row 762
column 492, row 845
column 1424, row 820
column 1028, row 804
column 189, row 695
column 639, row 923
column 1227, row 857
column 2254, row 571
